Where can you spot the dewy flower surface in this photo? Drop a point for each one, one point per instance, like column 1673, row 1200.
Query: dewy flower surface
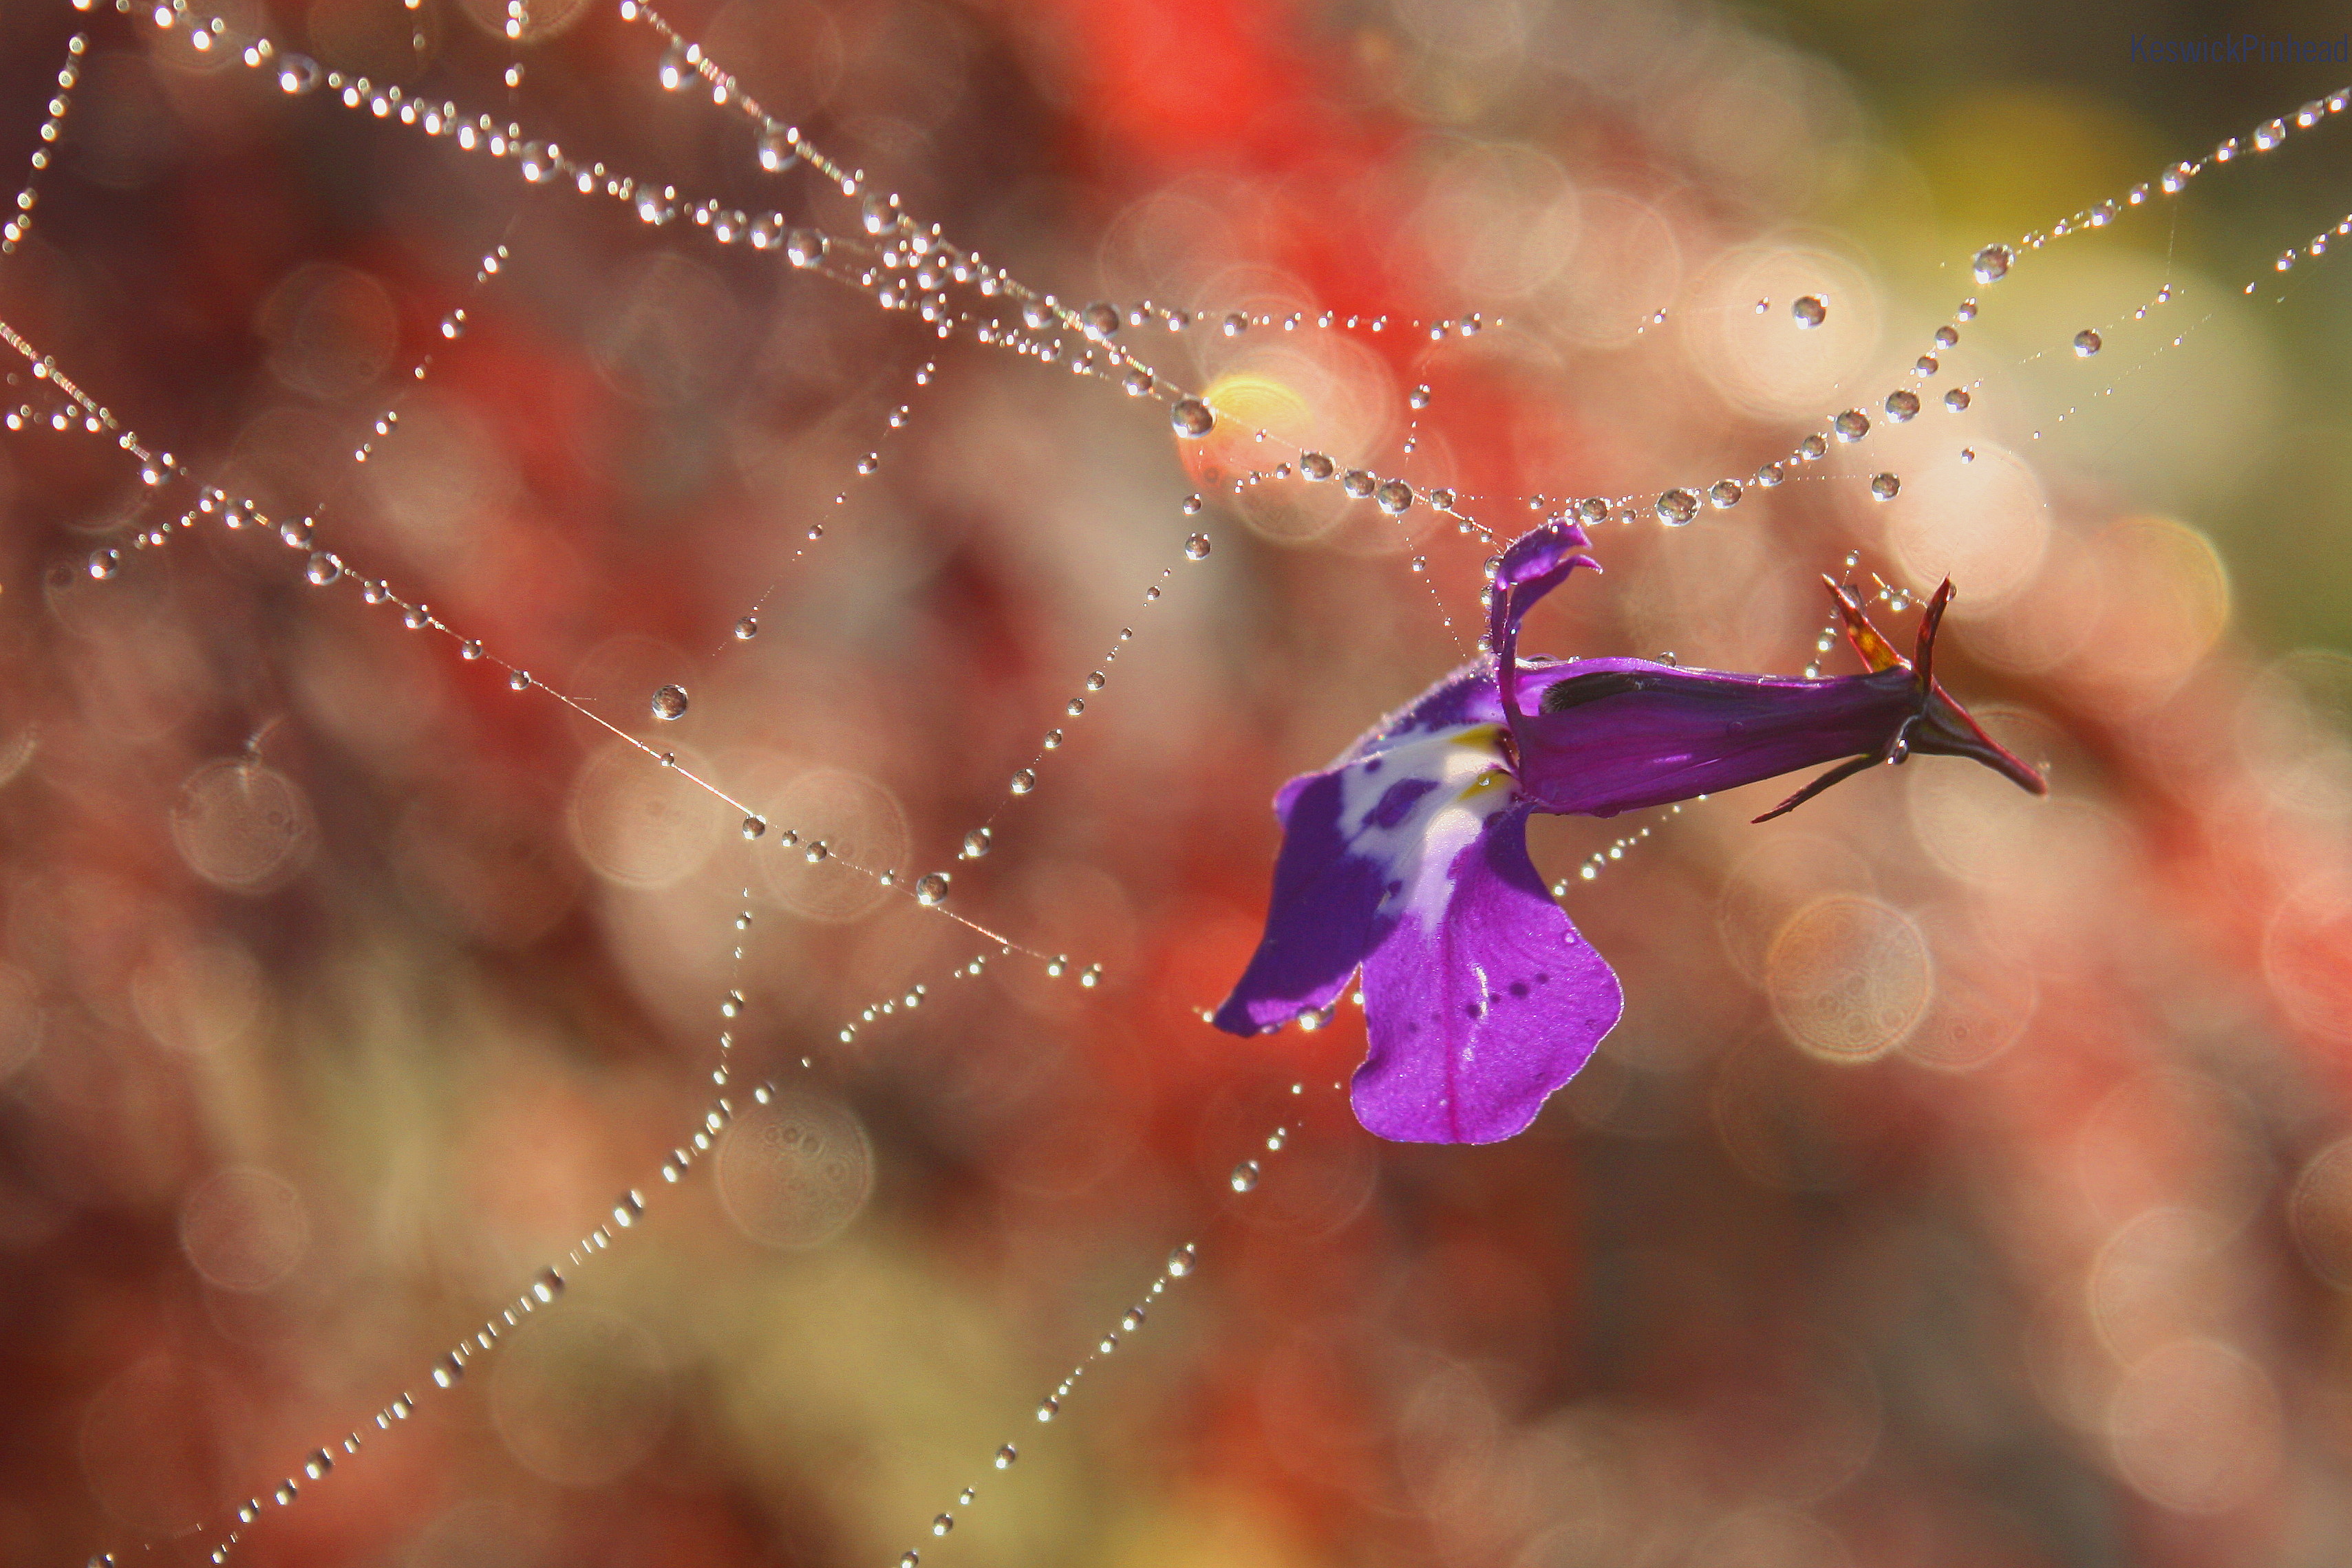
column 1407, row 858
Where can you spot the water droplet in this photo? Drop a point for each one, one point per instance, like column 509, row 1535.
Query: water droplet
column 1393, row 496
column 1885, row 487
column 1965, row 310
column 1992, row 262
column 670, row 703
column 1137, row 382
column 1925, row 365
column 416, row 617
column 1023, row 782
column 1049, row 1408
column 2177, row 177
column 869, row 463
column 1676, row 507
column 1946, row 336
column 1191, row 418
column 104, row 563
column 747, row 628
column 318, row 1464
column 1357, row 483
column 817, row 853
column 1724, row 494
column 777, row 152
column 942, row 1524
column 1197, row 547
column 1192, row 504
column 1442, row 498
column 1852, row 425
column 1968, row 453
column 1101, row 320
column 296, row 74
column 1235, row 324
column 471, row 649
column 1811, row 447
column 878, row 212
column 1107, row 1344
column 931, row 887
column 1245, row 1176
column 1006, row 1456
column 1180, row 1261
column 676, row 66
column 1096, row 680
column 287, row 1492
column 804, row 247
column 1316, row 467
column 322, row 567
column 1810, row 311
column 1901, row 406
column 975, row 843
column 910, row 1558
column 1956, row 398
column 754, row 826
column 1134, row 1318
column 448, row 1371
column 1418, row 397
column 2086, row 343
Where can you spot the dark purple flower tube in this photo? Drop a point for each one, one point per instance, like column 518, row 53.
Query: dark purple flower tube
column 1406, row 860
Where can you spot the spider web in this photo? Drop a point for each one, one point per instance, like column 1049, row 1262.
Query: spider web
column 443, row 782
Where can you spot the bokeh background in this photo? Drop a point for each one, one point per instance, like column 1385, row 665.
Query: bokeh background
column 1966, row 1182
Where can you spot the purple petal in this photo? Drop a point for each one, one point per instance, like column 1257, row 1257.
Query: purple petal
column 1607, row 736
column 1484, row 999
column 1534, row 563
column 1354, row 847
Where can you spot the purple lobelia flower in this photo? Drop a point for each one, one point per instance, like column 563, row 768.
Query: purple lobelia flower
column 1407, row 858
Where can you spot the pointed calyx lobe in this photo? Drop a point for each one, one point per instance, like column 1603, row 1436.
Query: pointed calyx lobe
column 1407, row 858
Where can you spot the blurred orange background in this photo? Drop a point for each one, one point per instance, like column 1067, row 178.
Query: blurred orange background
column 1967, row 1182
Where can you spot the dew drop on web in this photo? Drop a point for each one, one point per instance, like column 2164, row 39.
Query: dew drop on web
column 1191, row 418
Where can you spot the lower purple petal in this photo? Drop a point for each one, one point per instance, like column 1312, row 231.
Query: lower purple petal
column 1479, row 1013
column 1326, row 913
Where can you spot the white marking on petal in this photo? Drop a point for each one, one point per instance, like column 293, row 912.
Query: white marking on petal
column 1465, row 765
